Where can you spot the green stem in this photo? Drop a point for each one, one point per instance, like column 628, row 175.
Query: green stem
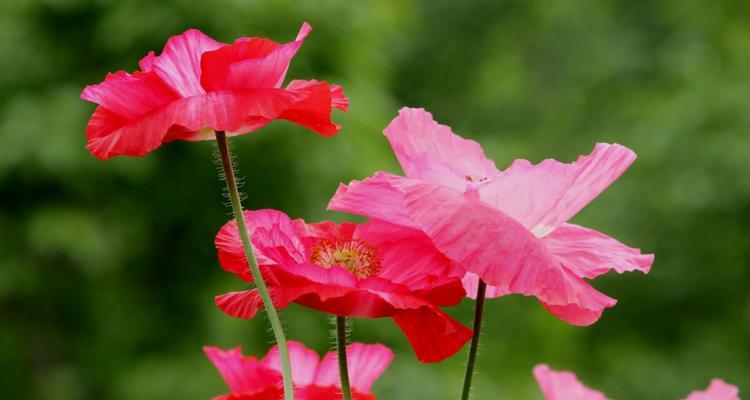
column 346, row 391
column 478, row 311
column 260, row 284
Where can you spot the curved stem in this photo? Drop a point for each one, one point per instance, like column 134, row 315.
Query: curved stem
column 260, row 284
column 346, row 391
column 478, row 311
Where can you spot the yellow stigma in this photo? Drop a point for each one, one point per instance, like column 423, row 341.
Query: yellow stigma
column 356, row 256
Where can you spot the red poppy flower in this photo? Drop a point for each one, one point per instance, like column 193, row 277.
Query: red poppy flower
column 372, row 270
column 314, row 379
column 197, row 86
column 507, row 227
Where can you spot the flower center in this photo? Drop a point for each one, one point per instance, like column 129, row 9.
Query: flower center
column 356, row 256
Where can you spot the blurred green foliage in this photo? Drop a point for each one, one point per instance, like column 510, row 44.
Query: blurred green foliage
column 107, row 269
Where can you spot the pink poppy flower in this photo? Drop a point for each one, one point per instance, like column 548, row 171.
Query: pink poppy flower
column 507, row 227
column 314, row 379
column 197, row 86
column 565, row 386
column 372, row 270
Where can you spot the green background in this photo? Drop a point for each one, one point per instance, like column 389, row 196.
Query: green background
column 108, row 271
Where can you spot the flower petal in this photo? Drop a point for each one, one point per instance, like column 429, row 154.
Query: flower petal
column 544, row 196
column 278, row 241
column 179, row 64
column 433, row 334
column 250, row 63
column 130, row 96
column 304, row 362
column 242, row 374
column 431, row 151
column 235, row 112
column 563, row 385
column 589, row 253
column 245, row 304
column 717, row 390
column 366, row 363
column 479, row 238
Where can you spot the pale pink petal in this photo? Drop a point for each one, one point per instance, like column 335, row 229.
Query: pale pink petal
column 179, row 64
column 366, row 363
column 304, row 362
column 589, row 253
column 130, row 96
column 718, row 390
column 242, row 374
column 430, row 151
column 563, row 385
column 479, row 238
column 544, row 196
column 376, row 197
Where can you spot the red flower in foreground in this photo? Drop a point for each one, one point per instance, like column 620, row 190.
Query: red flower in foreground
column 197, row 86
column 251, row 379
column 508, row 227
column 372, row 270
column 565, row 386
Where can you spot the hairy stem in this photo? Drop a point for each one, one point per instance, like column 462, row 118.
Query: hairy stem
column 341, row 334
column 260, row 284
column 478, row 311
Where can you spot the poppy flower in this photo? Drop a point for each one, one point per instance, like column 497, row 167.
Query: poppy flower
column 565, row 386
column 314, row 379
column 372, row 270
column 507, row 227
column 197, row 86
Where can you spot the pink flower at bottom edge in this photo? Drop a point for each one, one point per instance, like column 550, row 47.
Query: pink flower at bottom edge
column 565, row 385
column 249, row 378
column 197, row 86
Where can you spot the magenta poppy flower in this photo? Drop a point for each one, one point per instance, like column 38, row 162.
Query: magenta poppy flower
column 314, row 379
column 565, row 386
column 372, row 270
column 507, row 227
column 197, row 86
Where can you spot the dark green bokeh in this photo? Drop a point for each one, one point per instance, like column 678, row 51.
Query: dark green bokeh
column 107, row 268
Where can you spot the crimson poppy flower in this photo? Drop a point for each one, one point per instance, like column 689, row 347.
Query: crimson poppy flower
column 314, row 379
column 507, row 227
column 565, row 386
column 197, row 86
column 372, row 270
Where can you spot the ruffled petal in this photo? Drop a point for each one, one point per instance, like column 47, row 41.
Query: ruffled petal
column 431, row 151
column 366, row 363
column 563, row 385
column 242, row 374
column 313, row 111
column 589, row 253
column 275, row 240
column 482, row 240
column 250, row 63
column 130, row 96
column 408, row 257
column 304, row 362
column 236, row 112
column 544, row 196
column 377, row 197
column 327, row 393
column 179, row 64
column 433, row 334
column 245, row 304
column 717, row 390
